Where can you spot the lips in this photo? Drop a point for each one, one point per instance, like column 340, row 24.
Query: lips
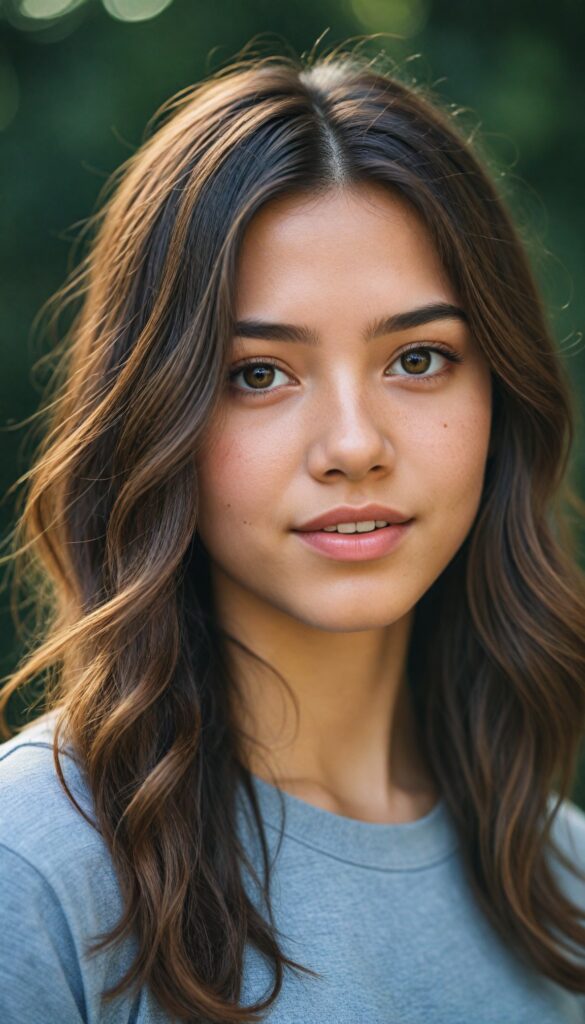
column 356, row 547
column 353, row 514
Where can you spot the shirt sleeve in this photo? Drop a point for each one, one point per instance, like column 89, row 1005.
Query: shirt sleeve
column 40, row 976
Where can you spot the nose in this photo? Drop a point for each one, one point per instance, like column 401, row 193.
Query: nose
column 349, row 435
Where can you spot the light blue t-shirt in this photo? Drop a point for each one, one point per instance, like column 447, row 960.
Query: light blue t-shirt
column 382, row 911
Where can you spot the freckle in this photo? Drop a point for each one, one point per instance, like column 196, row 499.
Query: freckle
column 444, row 424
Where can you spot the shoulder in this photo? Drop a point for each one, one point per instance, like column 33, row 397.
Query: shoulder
column 31, row 793
column 40, row 828
column 58, row 889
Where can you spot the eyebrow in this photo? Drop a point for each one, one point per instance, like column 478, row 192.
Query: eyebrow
column 384, row 325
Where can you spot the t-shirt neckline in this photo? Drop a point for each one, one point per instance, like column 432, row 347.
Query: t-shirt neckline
column 398, row 846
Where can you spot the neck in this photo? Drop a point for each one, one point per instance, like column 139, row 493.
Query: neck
column 356, row 749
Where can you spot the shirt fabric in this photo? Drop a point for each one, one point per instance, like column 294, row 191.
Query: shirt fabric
column 382, row 911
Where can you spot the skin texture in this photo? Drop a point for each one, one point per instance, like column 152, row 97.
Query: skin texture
column 346, row 421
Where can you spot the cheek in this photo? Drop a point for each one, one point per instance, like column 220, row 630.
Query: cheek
column 457, row 456
column 240, row 478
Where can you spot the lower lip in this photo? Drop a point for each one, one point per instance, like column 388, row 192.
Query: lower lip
column 356, row 547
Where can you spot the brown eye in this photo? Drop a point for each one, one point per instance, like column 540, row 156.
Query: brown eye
column 416, row 361
column 258, row 376
column 255, row 377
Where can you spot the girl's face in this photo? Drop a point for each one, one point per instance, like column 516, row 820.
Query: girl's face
column 340, row 420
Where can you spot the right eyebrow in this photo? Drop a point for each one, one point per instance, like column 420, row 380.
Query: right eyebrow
column 264, row 330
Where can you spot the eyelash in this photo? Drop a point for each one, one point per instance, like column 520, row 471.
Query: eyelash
column 449, row 354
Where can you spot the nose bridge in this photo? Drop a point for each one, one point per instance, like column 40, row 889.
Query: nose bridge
column 349, row 434
column 347, row 401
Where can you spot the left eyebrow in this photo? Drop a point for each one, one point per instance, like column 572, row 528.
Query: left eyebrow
column 384, row 325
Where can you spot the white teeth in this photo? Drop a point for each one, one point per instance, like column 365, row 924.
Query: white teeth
column 363, row 527
column 366, row 527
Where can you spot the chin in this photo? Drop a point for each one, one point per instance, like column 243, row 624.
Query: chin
column 349, row 620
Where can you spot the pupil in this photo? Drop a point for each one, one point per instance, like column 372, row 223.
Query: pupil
column 259, row 374
column 420, row 360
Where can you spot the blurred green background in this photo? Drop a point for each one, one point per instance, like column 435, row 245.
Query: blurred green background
column 79, row 80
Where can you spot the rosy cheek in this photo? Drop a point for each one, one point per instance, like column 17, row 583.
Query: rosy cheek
column 220, row 454
column 228, row 481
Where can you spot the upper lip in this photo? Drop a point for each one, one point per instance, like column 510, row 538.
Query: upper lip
column 354, row 514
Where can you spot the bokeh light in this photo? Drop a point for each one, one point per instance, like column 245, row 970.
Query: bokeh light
column 46, row 9
column 403, row 17
column 135, row 10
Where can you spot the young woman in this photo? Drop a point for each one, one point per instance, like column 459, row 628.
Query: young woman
column 313, row 624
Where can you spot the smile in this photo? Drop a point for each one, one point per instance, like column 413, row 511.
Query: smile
column 356, row 542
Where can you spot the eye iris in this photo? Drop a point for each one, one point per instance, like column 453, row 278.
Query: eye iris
column 421, row 360
column 258, row 374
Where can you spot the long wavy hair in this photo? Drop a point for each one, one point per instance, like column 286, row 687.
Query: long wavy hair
column 125, row 644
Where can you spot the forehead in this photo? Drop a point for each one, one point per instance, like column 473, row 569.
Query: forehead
column 366, row 238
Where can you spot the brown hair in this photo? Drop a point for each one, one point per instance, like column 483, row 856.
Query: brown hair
column 133, row 657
